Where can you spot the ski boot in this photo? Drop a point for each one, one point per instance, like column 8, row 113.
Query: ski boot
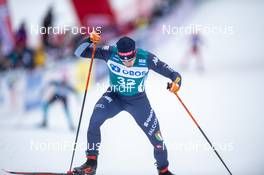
column 88, row 168
column 164, row 171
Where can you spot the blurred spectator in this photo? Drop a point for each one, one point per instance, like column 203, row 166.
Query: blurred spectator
column 162, row 8
column 47, row 22
column 56, row 46
column 1, row 92
column 3, row 61
column 40, row 57
column 21, row 56
column 12, row 80
column 21, row 36
column 6, row 31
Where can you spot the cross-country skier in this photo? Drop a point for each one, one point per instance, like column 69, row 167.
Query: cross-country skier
column 128, row 68
column 60, row 93
column 194, row 51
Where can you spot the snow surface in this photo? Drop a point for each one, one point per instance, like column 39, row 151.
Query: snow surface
column 226, row 100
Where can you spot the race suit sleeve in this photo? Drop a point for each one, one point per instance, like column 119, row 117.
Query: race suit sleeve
column 162, row 68
column 85, row 49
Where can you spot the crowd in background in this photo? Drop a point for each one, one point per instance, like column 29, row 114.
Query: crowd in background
column 56, row 47
column 52, row 46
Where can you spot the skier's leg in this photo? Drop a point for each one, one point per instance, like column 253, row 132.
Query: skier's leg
column 145, row 117
column 45, row 114
column 106, row 107
column 200, row 63
column 67, row 112
column 45, row 110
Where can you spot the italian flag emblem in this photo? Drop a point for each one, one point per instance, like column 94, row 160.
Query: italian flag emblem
column 158, row 136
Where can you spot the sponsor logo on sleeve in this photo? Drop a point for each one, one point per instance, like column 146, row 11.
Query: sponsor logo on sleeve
column 99, row 106
column 168, row 67
column 155, row 61
column 105, row 47
column 153, row 127
column 142, row 62
column 146, row 123
column 109, row 99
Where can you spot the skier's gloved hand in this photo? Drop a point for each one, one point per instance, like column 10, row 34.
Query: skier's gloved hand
column 94, row 37
column 174, row 86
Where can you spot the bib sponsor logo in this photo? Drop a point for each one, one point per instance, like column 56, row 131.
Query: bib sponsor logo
column 130, row 72
column 115, row 68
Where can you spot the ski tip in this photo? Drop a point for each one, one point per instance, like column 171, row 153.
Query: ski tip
column 10, row 172
column 7, row 172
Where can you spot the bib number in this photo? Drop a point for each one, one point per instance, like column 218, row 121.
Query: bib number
column 126, row 83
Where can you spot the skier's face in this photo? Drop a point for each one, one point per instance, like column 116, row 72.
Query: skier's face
column 129, row 63
column 128, row 58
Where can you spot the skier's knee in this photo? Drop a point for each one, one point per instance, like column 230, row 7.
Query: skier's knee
column 95, row 122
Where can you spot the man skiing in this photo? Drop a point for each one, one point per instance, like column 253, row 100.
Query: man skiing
column 128, row 69
column 61, row 92
column 194, row 51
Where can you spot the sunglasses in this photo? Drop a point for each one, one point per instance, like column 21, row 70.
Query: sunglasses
column 127, row 56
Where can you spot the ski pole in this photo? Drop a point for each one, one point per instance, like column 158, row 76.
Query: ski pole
column 198, row 126
column 83, row 102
